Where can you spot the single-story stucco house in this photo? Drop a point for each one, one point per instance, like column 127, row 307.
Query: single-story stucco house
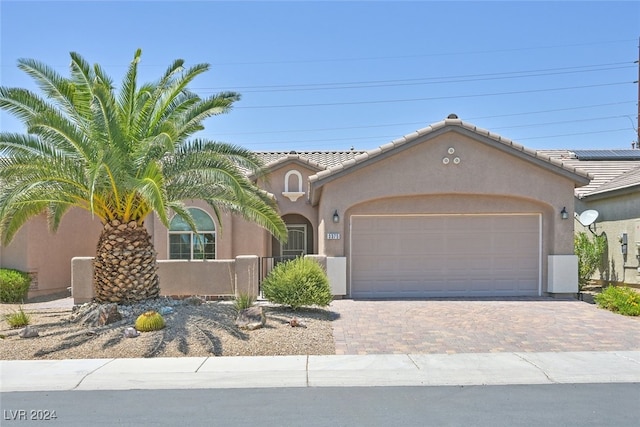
column 614, row 194
column 450, row 210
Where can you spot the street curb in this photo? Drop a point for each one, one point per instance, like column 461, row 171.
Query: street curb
column 321, row 371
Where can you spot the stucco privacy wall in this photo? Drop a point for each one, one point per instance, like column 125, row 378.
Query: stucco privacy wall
column 182, row 278
column 46, row 256
column 617, row 215
column 414, row 177
column 218, row 278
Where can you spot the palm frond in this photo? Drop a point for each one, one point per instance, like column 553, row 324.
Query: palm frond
column 252, row 207
column 152, row 194
column 32, row 191
column 150, row 111
column 83, row 79
column 61, row 134
column 102, row 78
column 121, row 155
column 56, row 87
column 17, row 144
column 179, row 209
column 21, row 103
column 127, row 100
column 212, row 106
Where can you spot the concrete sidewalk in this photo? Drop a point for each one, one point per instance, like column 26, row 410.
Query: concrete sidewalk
column 321, row 371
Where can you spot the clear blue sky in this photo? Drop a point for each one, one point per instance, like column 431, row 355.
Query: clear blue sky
column 334, row 75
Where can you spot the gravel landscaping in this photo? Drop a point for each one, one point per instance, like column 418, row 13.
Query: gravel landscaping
column 193, row 328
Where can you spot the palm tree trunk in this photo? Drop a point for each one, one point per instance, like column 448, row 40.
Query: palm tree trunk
column 125, row 267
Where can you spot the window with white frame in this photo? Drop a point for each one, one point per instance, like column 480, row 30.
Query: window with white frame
column 297, row 181
column 185, row 244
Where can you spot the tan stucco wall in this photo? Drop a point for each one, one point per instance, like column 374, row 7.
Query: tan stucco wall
column 186, row 278
column 617, row 215
column 248, row 238
column 486, row 180
column 16, row 255
column 181, row 278
column 276, row 186
column 47, row 256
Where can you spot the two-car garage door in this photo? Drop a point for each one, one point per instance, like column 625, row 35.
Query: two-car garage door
column 396, row 256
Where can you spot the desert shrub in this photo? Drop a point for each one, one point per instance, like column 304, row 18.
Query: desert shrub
column 14, row 285
column 18, row 319
column 620, row 299
column 149, row 321
column 243, row 301
column 296, row 283
column 589, row 252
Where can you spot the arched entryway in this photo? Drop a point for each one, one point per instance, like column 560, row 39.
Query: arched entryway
column 300, row 238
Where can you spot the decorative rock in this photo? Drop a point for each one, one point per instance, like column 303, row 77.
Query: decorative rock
column 193, row 301
column 108, row 314
column 29, row 332
column 295, row 323
column 165, row 310
column 251, row 318
column 131, row 333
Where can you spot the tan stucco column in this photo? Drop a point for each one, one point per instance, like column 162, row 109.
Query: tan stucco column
column 247, row 275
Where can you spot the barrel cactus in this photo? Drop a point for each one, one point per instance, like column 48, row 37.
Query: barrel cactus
column 149, row 321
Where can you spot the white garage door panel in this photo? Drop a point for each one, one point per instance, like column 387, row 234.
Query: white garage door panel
column 441, row 256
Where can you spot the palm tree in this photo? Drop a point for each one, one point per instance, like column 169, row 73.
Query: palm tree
column 121, row 157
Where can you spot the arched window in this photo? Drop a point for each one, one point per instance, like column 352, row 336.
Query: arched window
column 294, row 188
column 185, row 244
column 293, row 192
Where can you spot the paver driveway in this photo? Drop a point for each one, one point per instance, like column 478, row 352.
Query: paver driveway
column 479, row 326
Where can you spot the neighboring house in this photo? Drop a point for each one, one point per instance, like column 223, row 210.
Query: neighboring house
column 450, row 210
column 614, row 193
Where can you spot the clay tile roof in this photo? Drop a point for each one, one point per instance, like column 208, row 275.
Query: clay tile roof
column 535, row 155
column 318, row 159
column 624, row 181
column 606, row 173
column 333, row 162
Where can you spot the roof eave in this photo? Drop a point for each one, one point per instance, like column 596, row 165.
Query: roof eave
column 579, row 177
column 606, row 194
column 302, row 161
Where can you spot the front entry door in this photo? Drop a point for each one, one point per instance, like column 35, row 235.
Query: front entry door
column 296, row 242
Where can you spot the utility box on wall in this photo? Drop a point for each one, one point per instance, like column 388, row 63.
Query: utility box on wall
column 563, row 274
column 337, row 274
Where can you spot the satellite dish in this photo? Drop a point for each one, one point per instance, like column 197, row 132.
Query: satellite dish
column 587, row 218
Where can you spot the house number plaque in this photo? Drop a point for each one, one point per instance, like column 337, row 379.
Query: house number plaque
column 333, row 236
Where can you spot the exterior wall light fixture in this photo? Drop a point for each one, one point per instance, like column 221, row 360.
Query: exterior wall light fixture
column 563, row 213
column 336, row 217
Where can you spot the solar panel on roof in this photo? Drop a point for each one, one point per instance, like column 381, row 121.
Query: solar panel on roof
column 607, row 154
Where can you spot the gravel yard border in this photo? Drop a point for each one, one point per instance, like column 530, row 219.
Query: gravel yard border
column 207, row 329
